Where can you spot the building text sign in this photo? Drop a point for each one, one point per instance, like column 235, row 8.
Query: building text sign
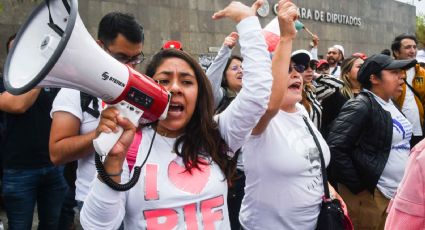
column 328, row 17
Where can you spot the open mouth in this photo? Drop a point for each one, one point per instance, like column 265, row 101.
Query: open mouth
column 295, row 85
column 176, row 107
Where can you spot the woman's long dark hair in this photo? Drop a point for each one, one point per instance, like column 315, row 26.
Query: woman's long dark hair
column 201, row 136
column 224, row 83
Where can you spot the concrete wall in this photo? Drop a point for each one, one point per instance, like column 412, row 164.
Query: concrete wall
column 190, row 21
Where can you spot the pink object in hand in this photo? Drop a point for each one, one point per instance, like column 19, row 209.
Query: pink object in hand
column 133, row 149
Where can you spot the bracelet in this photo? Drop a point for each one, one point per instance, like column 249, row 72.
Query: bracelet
column 114, row 174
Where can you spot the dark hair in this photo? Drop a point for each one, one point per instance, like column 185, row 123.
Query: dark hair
column 224, row 80
column 9, row 40
column 396, row 44
column 201, row 136
column 368, row 84
column 115, row 23
column 305, row 100
column 386, row 52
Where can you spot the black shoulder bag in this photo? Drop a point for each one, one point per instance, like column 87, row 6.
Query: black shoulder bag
column 331, row 215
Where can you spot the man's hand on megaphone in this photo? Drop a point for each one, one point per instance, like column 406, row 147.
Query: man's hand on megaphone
column 230, row 41
column 287, row 15
column 238, row 11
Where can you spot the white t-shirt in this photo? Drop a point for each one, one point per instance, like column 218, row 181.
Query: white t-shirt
column 169, row 198
column 410, row 108
column 283, row 188
column 165, row 196
column 68, row 100
column 399, row 153
column 337, row 72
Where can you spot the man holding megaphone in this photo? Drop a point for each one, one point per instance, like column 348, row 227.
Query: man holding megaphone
column 76, row 115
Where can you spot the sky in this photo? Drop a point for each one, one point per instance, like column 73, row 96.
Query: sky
column 420, row 5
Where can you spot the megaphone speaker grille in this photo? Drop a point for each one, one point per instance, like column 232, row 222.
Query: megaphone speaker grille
column 37, row 46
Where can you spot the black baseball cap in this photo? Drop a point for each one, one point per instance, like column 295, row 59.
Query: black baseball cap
column 301, row 57
column 378, row 62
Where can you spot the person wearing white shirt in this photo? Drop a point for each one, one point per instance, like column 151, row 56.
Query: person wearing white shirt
column 225, row 75
column 369, row 142
column 184, row 181
column 284, row 186
column 335, row 56
column 412, row 99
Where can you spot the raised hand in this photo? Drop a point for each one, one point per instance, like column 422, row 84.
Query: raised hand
column 287, row 15
column 230, row 41
column 237, row 11
column 315, row 40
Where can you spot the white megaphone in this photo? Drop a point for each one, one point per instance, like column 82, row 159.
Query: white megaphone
column 54, row 49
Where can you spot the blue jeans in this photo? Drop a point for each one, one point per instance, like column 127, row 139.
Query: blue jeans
column 66, row 220
column 22, row 188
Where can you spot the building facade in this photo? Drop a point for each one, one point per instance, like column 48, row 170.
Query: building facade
column 359, row 25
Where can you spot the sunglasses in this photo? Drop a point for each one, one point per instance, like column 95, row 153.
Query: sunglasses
column 313, row 65
column 298, row 68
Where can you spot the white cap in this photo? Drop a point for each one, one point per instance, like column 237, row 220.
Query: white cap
column 302, row 57
column 340, row 48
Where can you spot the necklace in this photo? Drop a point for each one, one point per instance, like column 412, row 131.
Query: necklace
column 162, row 133
column 166, row 140
column 165, row 136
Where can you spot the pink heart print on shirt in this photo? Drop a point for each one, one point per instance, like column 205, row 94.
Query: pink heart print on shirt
column 192, row 182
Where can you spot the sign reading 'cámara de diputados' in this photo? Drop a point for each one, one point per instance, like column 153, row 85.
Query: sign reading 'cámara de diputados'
column 327, row 17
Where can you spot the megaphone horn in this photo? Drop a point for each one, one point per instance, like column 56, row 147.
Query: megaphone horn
column 54, row 49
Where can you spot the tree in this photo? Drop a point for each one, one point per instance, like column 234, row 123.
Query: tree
column 420, row 30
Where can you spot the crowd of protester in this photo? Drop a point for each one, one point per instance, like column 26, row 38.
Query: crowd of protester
column 244, row 144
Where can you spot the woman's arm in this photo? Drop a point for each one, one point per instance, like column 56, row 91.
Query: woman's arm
column 280, row 63
column 334, row 194
column 215, row 71
column 241, row 116
column 104, row 208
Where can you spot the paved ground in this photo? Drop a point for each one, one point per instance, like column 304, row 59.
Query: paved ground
column 35, row 220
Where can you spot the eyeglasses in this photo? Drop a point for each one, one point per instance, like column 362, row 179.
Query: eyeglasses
column 135, row 60
column 298, row 68
column 236, row 68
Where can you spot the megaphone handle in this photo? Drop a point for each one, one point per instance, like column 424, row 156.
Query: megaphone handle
column 104, row 143
column 308, row 31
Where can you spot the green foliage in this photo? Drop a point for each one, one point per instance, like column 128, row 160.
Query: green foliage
column 420, row 29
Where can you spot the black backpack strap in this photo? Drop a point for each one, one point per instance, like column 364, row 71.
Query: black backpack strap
column 85, row 100
column 413, row 90
column 334, row 71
